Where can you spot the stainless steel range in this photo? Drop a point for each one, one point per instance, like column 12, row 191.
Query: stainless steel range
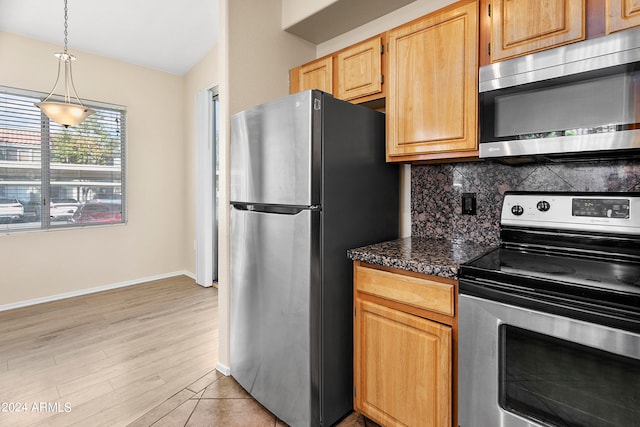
column 549, row 322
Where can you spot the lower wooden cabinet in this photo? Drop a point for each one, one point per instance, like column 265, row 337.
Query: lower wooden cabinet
column 403, row 367
column 403, row 360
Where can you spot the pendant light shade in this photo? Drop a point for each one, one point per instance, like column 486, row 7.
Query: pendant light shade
column 65, row 113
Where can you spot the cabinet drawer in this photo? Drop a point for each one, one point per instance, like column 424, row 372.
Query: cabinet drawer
column 418, row 292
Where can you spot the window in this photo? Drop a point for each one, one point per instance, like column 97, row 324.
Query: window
column 52, row 176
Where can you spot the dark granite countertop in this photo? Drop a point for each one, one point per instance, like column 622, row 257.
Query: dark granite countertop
column 436, row 257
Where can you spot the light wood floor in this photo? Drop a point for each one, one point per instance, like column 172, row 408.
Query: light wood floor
column 108, row 358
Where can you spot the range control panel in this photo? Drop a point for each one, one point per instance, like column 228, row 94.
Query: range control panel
column 601, row 208
column 603, row 212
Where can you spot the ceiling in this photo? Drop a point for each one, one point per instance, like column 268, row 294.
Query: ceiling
column 165, row 35
column 342, row 16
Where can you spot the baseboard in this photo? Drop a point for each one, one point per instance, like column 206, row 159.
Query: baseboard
column 94, row 290
column 223, row 369
column 186, row 273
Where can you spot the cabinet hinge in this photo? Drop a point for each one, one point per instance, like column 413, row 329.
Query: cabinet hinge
column 354, row 311
column 382, row 49
column 354, row 392
column 381, row 78
column 489, row 9
column 489, row 48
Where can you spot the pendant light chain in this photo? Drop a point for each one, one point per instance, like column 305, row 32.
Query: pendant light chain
column 65, row 113
column 66, row 26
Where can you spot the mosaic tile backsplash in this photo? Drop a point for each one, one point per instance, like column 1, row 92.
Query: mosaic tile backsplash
column 436, row 192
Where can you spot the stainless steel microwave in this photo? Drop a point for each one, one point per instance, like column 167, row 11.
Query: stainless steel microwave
column 576, row 101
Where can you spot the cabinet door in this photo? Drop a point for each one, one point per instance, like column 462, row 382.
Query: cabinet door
column 402, row 367
column 519, row 27
column 317, row 74
column 433, row 85
column 294, row 80
column 359, row 70
column 622, row 14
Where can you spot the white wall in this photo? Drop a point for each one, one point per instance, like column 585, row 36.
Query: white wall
column 260, row 53
column 294, row 11
column 42, row 264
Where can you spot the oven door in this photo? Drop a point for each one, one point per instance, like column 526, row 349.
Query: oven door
column 522, row 367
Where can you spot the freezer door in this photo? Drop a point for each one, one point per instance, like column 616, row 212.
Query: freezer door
column 274, row 280
column 274, row 158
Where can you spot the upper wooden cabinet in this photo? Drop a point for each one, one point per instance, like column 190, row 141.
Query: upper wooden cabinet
column 316, row 74
column 359, row 70
column 353, row 74
column 622, row 14
column 433, row 85
column 519, row 27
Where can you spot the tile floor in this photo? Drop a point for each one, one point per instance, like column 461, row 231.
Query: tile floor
column 218, row 400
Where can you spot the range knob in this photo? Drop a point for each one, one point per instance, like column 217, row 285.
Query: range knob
column 543, row 206
column 517, row 210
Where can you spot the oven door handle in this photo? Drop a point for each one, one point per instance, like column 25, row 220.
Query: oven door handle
column 521, row 296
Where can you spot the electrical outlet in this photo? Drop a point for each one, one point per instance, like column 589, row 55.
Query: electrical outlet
column 468, row 203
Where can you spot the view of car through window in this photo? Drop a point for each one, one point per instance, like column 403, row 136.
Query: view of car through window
column 63, row 209
column 104, row 208
column 10, row 209
column 97, row 213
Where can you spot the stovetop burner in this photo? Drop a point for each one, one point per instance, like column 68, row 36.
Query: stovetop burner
column 532, row 265
column 629, row 279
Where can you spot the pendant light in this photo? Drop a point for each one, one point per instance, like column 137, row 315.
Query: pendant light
column 65, row 113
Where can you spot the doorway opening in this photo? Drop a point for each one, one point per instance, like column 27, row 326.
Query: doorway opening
column 207, row 186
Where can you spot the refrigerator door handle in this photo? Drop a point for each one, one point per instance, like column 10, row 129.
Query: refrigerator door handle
column 273, row 209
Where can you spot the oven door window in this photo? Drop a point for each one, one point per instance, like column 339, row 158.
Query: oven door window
column 560, row 383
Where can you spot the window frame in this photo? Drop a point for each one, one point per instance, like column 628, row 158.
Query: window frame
column 45, row 222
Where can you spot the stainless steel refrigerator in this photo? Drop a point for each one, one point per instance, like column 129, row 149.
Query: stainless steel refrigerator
column 308, row 181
